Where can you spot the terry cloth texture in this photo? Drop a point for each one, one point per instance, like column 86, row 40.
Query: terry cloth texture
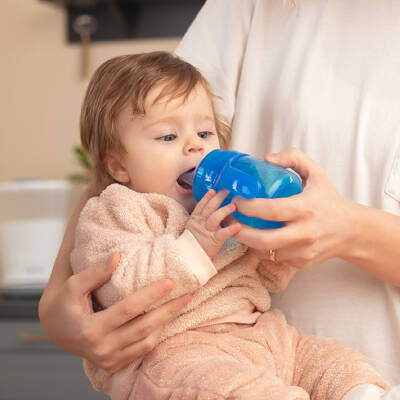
column 149, row 232
column 268, row 360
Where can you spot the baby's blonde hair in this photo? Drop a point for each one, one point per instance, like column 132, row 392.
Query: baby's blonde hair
column 127, row 80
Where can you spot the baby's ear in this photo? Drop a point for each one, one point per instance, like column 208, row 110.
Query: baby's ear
column 115, row 168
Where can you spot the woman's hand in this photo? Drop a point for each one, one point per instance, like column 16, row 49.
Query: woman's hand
column 113, row 337
column 318, row 222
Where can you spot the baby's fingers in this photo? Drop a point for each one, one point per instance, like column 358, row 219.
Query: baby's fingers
column 210, row 202
column 213, row 222
column 214, row 203
column 198, row 210
column 224, row 233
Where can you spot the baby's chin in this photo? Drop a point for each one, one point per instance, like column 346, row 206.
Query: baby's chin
column 188, row 203
column 191, row 208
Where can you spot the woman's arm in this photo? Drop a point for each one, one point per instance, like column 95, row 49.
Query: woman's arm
column 321, row 224
column 376, row 244
column 61, row 269
column 66, row 311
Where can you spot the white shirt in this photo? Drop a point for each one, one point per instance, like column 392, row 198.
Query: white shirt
column 323, row 77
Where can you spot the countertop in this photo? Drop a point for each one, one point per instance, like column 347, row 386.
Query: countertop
column 19, row 306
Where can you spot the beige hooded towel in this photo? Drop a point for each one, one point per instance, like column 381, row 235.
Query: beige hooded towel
column 148, row 230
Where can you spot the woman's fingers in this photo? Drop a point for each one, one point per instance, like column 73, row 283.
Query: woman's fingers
column 264, row 240
column 301, row 257
column 135, row 304
column 299, row 254
column 145, row 325
column 294, row 159
column 137, row 337
column 93, row 277
column 316, row 223
column 114, row 329
column 281, row 209
column 112, row 349
column 132, row 352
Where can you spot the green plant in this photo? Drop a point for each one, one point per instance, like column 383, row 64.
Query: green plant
column 83, row 160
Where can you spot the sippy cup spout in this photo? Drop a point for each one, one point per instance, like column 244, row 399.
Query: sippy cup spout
column 187, row 177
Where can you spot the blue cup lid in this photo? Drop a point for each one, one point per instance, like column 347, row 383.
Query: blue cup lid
column 208, row 170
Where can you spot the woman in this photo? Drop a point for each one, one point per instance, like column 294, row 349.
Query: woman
column 317, row 77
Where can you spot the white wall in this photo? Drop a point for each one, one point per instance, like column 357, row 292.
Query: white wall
column 41, row 89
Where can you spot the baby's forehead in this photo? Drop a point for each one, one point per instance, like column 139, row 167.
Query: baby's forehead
column 161, row 97
column 164, row 94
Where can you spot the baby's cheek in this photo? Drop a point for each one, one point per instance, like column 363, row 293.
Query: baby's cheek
column 152, row 183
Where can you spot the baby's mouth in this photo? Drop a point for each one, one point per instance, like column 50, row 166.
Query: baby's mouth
column 185, row 180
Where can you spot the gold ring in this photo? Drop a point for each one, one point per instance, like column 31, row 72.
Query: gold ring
column 272, row 255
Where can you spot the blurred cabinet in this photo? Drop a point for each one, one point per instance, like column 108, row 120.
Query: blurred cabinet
column 130, row 19
column 34, row 368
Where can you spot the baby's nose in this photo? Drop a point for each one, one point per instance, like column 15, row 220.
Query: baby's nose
column 194, row 145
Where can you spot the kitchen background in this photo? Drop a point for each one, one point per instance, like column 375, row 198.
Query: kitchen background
column 41, row 90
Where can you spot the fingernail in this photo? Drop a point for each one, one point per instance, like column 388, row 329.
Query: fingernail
column 113, row 260
column 186, row 298
column 168, row 284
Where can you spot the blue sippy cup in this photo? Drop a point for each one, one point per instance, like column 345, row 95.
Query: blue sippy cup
column 247, row 177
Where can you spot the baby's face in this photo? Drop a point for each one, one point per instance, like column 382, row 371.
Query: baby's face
column 172, row 138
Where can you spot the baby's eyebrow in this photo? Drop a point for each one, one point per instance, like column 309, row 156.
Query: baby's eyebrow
column 176, row 120
column 168, row 120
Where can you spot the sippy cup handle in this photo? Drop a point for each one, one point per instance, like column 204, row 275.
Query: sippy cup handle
column 238, row 182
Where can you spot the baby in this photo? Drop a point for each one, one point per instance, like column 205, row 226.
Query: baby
column 146, row 120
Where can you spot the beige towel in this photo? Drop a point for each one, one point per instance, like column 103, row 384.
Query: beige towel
column 266, row 361
column 149, row 232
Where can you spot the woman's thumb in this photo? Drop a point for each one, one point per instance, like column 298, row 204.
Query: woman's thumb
column 93, row 277
column 294, row 159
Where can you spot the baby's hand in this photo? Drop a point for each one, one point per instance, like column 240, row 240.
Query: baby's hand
column 205, row 222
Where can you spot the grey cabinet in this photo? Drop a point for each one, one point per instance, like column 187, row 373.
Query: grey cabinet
column 34, row 368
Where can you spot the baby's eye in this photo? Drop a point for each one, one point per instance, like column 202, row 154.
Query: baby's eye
column 204, row 134
column 168, row 138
